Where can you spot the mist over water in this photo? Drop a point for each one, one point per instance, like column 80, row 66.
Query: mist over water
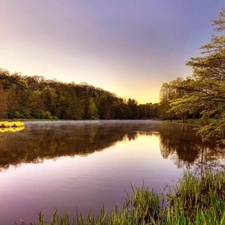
column 85, row 164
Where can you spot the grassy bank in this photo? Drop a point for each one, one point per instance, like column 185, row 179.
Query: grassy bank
column 199, row 121
column 194, row 200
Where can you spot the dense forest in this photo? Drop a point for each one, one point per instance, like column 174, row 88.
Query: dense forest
column 34, row 97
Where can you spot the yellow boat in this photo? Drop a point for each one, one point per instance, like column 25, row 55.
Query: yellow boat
column 11, row 129
column 13, row 124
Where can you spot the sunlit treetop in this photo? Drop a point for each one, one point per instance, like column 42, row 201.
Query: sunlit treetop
column 204, row 91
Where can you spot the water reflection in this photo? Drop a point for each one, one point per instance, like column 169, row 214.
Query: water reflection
column 99, row 173
column 180, row 143
column 48, row 140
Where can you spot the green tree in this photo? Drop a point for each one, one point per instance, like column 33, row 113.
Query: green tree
column 13, row 105
column 93, row 111
column 182, row 104
column 50, row 98
column 133, row 105
column 105, row 106
column 167, row 93
column 205, row 90
column 36, row 105
column 3, row 102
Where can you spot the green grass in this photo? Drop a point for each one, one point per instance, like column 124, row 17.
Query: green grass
column 194, row 200
column 199, row 121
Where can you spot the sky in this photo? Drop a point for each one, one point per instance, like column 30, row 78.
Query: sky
column 128, row 47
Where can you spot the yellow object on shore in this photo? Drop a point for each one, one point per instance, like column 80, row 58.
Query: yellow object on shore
column 11, row 129
column 13, row 124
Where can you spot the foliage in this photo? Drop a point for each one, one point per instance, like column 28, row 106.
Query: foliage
column 169, row 92
column 33, row 97
column 203, row 93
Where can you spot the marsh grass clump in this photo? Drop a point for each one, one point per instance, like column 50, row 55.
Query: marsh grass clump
column 142, row 207
column 199, row 199
column 196, row 200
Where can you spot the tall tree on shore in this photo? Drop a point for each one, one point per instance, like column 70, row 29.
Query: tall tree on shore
column 205, row 90
column 3, row 102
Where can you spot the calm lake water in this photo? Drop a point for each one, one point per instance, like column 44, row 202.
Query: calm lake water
column 85, row 164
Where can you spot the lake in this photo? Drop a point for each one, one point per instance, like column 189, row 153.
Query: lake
column 85, row 164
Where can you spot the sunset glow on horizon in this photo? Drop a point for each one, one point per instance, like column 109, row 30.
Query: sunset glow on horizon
column 126, row 47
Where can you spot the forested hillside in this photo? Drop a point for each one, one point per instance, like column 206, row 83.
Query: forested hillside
column 35, row 97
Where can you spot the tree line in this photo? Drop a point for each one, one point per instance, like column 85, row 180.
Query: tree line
column 34, row 97
column 201, row 95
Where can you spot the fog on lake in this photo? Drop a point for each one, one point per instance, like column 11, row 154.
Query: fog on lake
column 85, row 164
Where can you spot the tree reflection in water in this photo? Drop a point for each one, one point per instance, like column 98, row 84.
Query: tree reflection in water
column 48, row 140
column 180, row 143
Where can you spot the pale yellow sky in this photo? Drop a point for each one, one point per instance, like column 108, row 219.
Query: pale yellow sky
column 128, row 49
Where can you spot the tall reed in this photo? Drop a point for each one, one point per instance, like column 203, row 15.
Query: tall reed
column 194, row 200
